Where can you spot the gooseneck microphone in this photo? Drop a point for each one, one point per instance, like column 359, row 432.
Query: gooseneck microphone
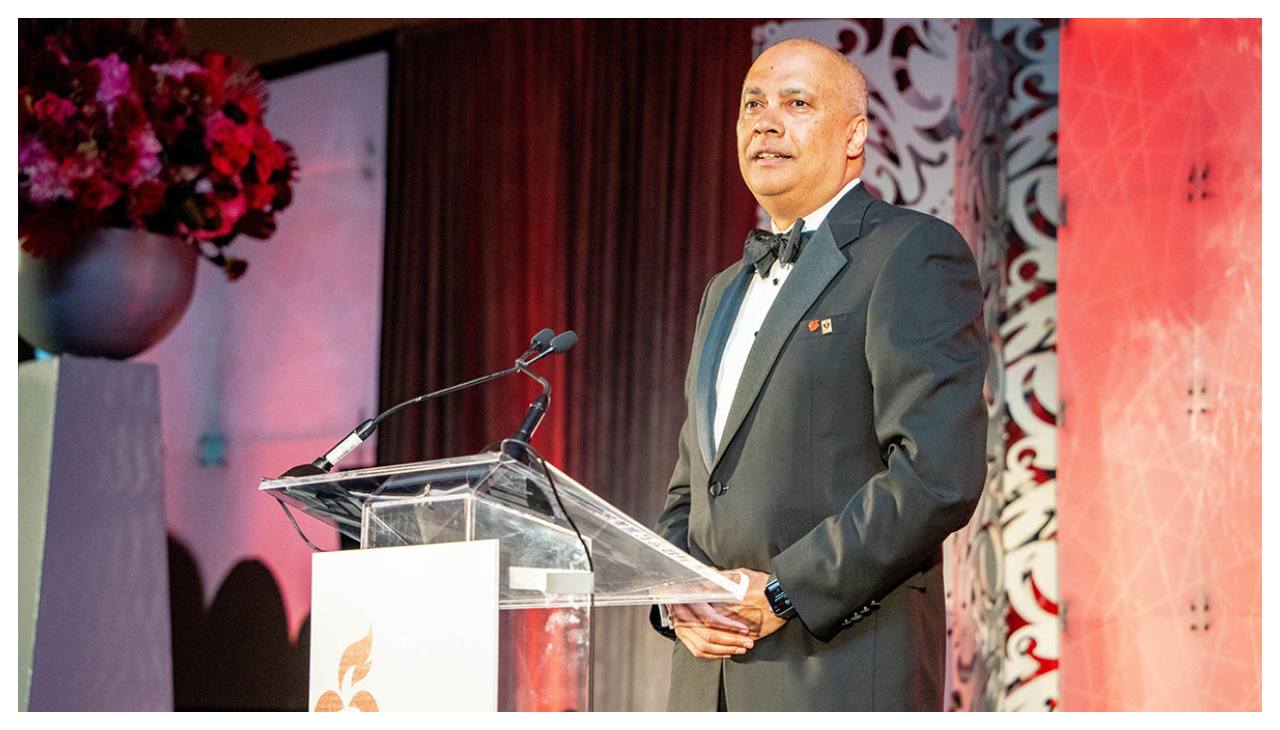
column 560, row 344
column 537, row 409
column 538, row 343
column 542, row 344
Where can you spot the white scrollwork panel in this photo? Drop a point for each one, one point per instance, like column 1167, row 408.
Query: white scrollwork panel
column 1030, row 329
column 1005, row 653
column 1038, row 375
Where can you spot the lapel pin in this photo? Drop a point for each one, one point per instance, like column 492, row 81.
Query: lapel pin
column 826, row 326
column 813, row 325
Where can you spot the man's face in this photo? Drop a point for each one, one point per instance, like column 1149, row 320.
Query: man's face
column 796, row 133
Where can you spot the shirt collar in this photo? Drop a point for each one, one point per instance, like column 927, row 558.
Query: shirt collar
column 815, row 219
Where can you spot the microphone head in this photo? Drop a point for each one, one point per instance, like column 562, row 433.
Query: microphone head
column 564, row 342
column 303, row 470
column 542, row 339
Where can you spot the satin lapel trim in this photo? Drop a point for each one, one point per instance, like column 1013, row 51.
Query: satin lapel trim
column 819, row 264
column 709, row 361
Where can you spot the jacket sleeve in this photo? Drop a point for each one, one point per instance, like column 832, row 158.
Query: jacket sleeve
column 927, row 355
column 673, row 523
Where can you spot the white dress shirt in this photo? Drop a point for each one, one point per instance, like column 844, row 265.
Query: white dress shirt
column 756, row 304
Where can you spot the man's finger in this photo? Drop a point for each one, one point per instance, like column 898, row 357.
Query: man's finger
column 710, row 644
column 707, row 615
column 716, row 619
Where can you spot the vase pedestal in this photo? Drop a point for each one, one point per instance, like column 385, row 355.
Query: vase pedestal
column 93, row 578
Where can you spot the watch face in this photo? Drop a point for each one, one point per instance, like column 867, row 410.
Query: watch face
column 778, row 600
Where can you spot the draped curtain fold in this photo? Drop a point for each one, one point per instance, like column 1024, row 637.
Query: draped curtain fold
column 567, row 174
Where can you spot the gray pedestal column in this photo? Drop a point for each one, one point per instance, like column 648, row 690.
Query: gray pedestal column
column 93, row 582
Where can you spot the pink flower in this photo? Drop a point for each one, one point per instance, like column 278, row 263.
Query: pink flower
column 231, row 210
column 178, row 68
column 115, row 79
column 149, row 148
column 31, row 151
column 46, row 181
column 105, row 118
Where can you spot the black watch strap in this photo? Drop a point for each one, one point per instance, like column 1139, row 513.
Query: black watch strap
column 778, row 600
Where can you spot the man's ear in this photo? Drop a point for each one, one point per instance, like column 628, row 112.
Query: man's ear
column 857, row 137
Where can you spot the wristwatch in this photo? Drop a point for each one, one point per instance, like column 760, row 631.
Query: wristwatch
column 778, row 600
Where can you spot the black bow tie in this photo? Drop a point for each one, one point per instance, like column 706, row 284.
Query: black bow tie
column 763, row 247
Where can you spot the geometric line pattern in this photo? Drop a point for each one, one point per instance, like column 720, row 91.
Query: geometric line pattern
column 1160, row 331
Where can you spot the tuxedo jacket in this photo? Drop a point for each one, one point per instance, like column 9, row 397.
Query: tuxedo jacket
column 855, row 444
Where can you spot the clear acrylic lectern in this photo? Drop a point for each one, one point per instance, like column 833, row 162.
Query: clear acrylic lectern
column 547, row 585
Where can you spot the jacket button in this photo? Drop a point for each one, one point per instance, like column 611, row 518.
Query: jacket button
column 717, row 489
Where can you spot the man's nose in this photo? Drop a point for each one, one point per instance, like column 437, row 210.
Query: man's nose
column 768, row 121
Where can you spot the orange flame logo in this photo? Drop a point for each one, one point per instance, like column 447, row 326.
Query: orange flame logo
column 355, row 659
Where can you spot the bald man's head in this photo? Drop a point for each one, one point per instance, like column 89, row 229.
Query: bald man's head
column 848, row 76
column 802, row 128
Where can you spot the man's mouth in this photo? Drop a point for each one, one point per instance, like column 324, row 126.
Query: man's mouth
column 772, row 156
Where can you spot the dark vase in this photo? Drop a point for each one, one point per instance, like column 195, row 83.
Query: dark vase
column 117, row 292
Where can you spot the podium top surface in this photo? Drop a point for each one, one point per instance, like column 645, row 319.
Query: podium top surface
column 532, row 509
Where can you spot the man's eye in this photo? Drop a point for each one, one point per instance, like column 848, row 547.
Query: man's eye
column 800, row 102
column 753, row 104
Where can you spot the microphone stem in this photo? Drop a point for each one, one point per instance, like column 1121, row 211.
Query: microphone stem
column 445, row 391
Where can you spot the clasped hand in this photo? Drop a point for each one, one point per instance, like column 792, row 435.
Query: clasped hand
column 719, row 630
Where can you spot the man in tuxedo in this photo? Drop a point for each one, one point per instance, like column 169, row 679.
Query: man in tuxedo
column 836, row 423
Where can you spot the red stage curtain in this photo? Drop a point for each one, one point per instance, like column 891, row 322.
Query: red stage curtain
column 567, row 174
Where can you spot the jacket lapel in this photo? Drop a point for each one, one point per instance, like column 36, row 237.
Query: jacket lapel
column 709, row 361
column 820, row 262
column 818, row 265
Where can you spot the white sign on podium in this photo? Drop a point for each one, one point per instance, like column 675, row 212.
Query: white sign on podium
column 405, row 628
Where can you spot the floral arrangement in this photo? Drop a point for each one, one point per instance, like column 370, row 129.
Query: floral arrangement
column 119, row 127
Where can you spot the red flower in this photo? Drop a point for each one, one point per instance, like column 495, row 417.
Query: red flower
column 120, row 128
column 230, row 209
column 49, row 232
column 219, row 65
column 94, row 193
column 203, row 86
column 284, row 196
column 63, row 141
column 129, row 117
column 259, row 195
column 89, row 76
column 248, row 103
column 163, row 39
column 257, row 224
column 235, row 268
column 267, row 154
column 147, row 200
column 53, row 108
column 120, row 156
column 230, row 144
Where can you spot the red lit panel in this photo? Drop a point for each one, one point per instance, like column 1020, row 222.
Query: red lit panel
column 1160, row 364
